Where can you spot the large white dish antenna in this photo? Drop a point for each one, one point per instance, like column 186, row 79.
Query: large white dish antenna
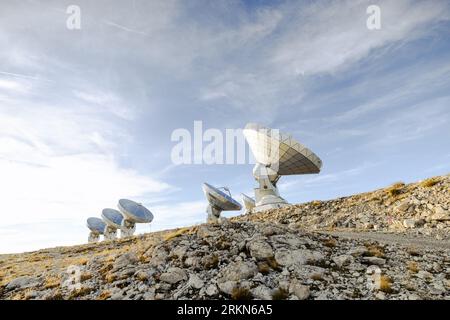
column 113, row 220
column 277, row 154
column 133, row 213
column 112, row 217
column 97, row 227
column 280, row 151
column 219, row 200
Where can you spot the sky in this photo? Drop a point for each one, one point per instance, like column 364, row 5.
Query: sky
column 87, row 115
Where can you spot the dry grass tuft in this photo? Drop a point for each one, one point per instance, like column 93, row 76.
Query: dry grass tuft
column 415, row 252
column 105, row 294
column 428, row 183
column 85, row 276
column 142, row 276
column 374, row 251
column 80, row 292
column 177, row 233
column 104, row 270
column 211, row 262
column 110, row 278
column 280, row 294
column 330, row 243
column 241, row 293
column 396, row 189
column 267, row 265
column 413, row 267
column 52, row 282
column 386, row 284
column 263, row 267
column 316, row 203
column 273, row 264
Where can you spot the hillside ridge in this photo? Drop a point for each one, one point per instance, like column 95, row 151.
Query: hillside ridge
column 315, row 250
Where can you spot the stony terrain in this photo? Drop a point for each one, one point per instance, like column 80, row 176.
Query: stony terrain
column 418, row 209
column 319, row 250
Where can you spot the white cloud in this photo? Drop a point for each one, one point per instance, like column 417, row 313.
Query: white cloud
column 58, row 166
column 312, row 40
column 326, row 37
column 109, row 102
column 10, row 85
column 174, row 215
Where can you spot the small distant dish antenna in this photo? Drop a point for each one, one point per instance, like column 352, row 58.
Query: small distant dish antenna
column 276, row 155
column 249, row 203
column 97, row 227
column 219, row 200
column 113, row 220
column 133, row 213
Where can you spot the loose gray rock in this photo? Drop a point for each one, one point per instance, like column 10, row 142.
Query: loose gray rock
column 227, row 286
column 301, row 291
column 173, row 275
column 343, row 260
column 211, row 290
column 260, row 249
column 286, row 257
column 374, row 261
column 262, row 292
column 195, row 282
column 22, row 283
column 125, row 260
column 239, row 271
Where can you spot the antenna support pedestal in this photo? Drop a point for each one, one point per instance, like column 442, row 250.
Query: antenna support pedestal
column 267, row 195
column 213, row 214
column 110, row 233
column 128, row 228
column 93, row 237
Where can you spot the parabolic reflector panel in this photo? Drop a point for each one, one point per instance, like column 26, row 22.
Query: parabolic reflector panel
column 135, row 211
column 220, row 199
column 112, row 217
column 280, row 151
column 96, row 225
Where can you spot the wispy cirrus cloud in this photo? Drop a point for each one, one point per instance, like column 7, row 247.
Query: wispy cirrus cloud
column 86, row 116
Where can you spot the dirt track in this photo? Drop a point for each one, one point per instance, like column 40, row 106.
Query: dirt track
column 408, row 241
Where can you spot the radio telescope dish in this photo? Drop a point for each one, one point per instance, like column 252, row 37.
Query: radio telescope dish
column 249, row 203
column 133, row 213
column 219, row 200
column 113, row 220
column 276, row 154
column 97, row 227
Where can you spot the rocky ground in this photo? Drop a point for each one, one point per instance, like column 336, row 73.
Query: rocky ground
column 319, row 250
column 418, row 209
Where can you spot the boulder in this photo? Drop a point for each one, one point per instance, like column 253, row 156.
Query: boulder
column 227, row 286
column 286, row 257
column 301, row 291
column 238, row 270
column 212, row 290
column 343, row 260
column 262, row 292
column 440, row 214
column 125, row 260
column 374, row 261
column 260, row 249
column 195, row 282
column 22, row 283
column 173, row 275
